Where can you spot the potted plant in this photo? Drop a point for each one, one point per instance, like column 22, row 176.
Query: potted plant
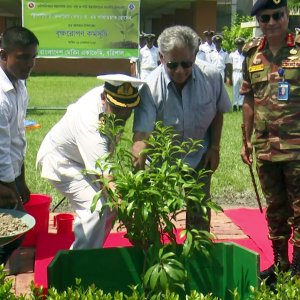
column 147, row 203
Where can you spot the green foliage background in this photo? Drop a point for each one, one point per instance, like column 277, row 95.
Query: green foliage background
column 235, row 31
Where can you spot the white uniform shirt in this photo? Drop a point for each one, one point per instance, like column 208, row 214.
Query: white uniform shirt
column 236, row 58
column 206, row 47
column 13, row 105
column 74, row 139
column 149, row 58
column 219, row 59
column 201, row 56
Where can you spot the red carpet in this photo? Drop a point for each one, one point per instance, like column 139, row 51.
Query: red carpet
column 254, row 224
column 251, row 222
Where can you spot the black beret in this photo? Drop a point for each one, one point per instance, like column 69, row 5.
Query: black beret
column 267, row 4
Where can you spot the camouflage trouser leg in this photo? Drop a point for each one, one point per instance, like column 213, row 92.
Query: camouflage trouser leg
column 280, row 182
column 195, row 217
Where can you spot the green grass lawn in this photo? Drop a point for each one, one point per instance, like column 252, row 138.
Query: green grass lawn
column 56, row 92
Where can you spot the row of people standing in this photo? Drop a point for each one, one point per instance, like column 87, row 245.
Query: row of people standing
column 228, row 64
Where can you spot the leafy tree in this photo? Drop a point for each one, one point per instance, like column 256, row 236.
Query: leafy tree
column 292, row 4
column 235, row 31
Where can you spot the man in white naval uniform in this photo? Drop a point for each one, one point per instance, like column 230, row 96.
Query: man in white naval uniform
column 218, row 57
column 149, row 56
column 208, row 46
column 237, row 58
column 74, row 144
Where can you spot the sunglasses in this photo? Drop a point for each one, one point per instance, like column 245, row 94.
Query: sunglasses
column 184, row 64
column 266, row 18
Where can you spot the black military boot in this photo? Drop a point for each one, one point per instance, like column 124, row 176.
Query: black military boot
column 281, row 261
column 295, row 267
column 234, row 108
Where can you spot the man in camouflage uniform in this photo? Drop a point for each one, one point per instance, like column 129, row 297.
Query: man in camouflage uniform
column 271, row 85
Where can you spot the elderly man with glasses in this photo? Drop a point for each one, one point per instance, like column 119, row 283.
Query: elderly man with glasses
column 191, row 99
column 271, row 111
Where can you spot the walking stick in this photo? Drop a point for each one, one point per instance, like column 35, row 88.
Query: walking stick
column 59, row 203
column 251, row 170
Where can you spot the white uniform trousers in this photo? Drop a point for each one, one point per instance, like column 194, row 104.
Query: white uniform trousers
column 90, row 230
column 237, row 78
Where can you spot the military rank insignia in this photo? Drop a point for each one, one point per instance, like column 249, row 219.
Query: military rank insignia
column 256, row 68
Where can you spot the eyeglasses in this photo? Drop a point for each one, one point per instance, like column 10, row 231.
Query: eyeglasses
column 266, row 18
column 184, row 64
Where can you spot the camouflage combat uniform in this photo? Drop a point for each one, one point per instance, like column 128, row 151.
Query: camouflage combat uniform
column 276, row 132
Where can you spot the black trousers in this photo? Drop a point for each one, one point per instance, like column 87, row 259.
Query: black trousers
column 195, row 216
column 7, row 250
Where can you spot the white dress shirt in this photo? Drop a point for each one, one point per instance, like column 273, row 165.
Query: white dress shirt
column 148, row 60
column 206, row 47
column 219, row 59
column 13, row 105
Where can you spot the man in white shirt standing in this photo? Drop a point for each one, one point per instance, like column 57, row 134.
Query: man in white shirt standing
column 149, row 56
column 208, row 45
column 236, row 59
column 18, row 51
column 218, row 57
column 201, row 55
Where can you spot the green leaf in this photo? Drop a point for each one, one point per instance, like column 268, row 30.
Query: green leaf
column 167, row 255
column 154, row 277
column 176, row 274
column 148, row 275
column 187, row 244
column 163, row 279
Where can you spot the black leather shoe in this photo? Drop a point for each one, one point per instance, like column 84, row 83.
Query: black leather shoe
column 269, row 276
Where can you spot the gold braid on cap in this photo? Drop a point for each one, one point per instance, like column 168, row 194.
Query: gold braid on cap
column 121, row 104
column 124, row 95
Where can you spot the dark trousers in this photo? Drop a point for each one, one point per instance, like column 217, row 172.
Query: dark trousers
column 280, row 182
column 7, row 250
column 195, row 216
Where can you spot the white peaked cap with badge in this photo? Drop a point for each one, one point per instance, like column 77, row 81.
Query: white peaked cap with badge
column 122, row 90
column 118, row 79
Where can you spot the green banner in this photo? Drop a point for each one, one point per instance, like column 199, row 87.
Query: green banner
column 84, row 28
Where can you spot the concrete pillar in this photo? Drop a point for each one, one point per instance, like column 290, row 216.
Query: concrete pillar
column 233, row 9
column 204, row 14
